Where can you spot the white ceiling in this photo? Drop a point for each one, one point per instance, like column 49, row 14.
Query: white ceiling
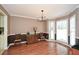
column 34, row 10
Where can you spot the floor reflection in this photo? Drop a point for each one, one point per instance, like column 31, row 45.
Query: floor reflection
column 40, row 48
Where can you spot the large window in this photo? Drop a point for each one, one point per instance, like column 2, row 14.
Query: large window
column 51, row 29
column 62, row 30
column 72, row 29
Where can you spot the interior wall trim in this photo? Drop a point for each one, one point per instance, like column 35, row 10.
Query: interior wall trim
column 23, row 16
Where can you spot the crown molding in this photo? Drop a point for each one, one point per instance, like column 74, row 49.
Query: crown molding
column 2, row 12
column 16, row 15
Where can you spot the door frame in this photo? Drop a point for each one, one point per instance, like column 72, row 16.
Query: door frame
column 5, row 30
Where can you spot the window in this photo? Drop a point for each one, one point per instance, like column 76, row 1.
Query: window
column 51, row 29
column 72, row 29
column 62, row 30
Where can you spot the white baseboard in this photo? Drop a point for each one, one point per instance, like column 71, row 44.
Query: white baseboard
column 13, row 44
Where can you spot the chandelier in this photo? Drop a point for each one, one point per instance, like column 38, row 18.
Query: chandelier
column 42, row 18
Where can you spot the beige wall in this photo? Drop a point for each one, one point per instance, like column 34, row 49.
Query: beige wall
column 24, row 25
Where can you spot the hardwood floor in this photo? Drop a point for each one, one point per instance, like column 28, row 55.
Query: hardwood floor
column 40, row 48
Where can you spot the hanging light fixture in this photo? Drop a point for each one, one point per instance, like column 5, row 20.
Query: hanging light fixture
column 42, row 18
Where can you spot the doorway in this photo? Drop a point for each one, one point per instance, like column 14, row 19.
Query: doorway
column 3, row 31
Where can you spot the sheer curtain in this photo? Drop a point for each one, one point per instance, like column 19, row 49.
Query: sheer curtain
column 62, row 30
column 51, row 25
column 72, row 29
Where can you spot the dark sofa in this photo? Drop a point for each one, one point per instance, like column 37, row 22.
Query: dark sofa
column 23, row 37
column 11, row 38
